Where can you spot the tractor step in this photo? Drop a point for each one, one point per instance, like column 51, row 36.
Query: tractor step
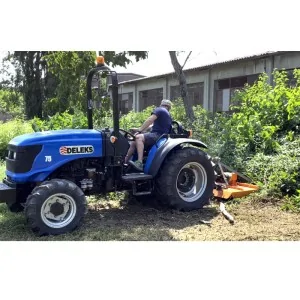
column 136, row 177
column 7, row 193
column 142, row 193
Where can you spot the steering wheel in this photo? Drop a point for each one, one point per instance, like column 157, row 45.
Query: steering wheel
column 129, row 136
column 176, row 127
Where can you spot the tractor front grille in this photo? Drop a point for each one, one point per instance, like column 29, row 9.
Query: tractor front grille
column 20, row 158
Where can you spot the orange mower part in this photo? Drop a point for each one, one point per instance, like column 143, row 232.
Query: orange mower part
column 235, row 189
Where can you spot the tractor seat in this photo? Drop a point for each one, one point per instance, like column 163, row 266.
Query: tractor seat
column 146, row 150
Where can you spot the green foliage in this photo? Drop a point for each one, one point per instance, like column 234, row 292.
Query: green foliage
column 265, row 113
column 69, row 68
column 28, row 79
column 9, row 130
column 122, row 58
column 55, row 81
column 2, row 169
column 292, row 203
column 64, row 120
column 267, row 136
column 293, row 103
column 279, row 173
column 133, row 119
column 259, row 137
column 11, row 102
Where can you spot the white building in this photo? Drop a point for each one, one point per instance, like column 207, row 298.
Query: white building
column 211, row 85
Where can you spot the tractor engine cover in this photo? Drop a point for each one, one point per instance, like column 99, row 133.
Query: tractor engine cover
column 32, row 157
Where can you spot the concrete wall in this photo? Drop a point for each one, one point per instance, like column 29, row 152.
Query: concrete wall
column 287, row 61
column 209, row 76
column 234, row 69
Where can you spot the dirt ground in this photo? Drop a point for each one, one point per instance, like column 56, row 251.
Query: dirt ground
column 252, row 222
column 114, row 220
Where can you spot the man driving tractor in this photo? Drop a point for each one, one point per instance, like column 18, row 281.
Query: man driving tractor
column 159, row 122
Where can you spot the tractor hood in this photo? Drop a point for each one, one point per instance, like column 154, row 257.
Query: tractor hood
column 57, row 136
column 32, row 157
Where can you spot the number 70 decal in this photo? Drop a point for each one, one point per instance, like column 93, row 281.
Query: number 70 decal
column 48, row 158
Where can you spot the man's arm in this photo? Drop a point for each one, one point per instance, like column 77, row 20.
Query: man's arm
column 146, row 124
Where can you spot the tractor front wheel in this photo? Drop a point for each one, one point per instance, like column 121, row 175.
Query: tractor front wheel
column 55, row 207
column 186, row 180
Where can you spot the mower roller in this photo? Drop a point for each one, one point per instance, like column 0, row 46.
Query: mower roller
column 227, row 184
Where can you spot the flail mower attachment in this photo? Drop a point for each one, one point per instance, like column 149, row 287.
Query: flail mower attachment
column 228, row 185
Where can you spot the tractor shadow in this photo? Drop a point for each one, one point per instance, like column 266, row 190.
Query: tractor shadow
column 129, row 220
column 140, row 221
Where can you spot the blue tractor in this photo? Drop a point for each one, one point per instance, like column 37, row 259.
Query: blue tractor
column 49, row 174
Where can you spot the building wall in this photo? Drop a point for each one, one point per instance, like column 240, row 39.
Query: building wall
column 235, row 69
column 287, row 61
column 210, row 76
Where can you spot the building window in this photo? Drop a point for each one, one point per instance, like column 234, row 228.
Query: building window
column 195, row 93
column 150, row 97
column 125, row 102
column 225, row 89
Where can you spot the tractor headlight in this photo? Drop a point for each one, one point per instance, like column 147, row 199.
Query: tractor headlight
column 15, row 155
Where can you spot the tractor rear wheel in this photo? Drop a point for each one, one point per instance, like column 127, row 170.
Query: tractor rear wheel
column 55, row 207
column 186, row 179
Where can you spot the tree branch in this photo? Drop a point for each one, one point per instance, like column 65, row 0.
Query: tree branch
column 182, row 84
column 175, row 63
column 186, row 60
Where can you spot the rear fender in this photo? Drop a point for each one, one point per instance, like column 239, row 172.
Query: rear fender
column 159, row 153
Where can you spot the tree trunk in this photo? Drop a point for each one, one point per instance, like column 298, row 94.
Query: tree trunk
column 38, row 97
column 32, row 87
column 183, row 85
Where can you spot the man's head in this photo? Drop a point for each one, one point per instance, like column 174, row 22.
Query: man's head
column 166, row 103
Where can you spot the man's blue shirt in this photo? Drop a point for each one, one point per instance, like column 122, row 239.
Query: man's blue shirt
column 163, row 122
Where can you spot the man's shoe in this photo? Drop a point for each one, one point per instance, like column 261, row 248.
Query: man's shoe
column 138, row 165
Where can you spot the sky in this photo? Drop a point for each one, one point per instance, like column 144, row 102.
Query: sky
column 212, row 29
column 159, row 62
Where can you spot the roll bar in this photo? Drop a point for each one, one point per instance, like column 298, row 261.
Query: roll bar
column 114, row 77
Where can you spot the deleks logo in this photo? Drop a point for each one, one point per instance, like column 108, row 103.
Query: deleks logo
column 73, row 150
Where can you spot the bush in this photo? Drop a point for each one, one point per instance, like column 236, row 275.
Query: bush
column 60, row 121
column 278, row 174
column 135, row 119
column 259, row 136
column 11, row 103
column 266, row 113
column 2, row 170
column 9, row 130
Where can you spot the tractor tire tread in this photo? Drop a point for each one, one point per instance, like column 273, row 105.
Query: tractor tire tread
column 165, row 179
column 41, row 193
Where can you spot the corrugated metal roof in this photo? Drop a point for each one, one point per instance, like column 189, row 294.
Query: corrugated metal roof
column 260, row 55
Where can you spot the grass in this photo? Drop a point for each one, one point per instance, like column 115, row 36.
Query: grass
column 117, row 220
column 114, row 220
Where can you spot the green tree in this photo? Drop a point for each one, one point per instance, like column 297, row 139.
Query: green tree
column 27, row 79
column 53, row 81
column 11, row 102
